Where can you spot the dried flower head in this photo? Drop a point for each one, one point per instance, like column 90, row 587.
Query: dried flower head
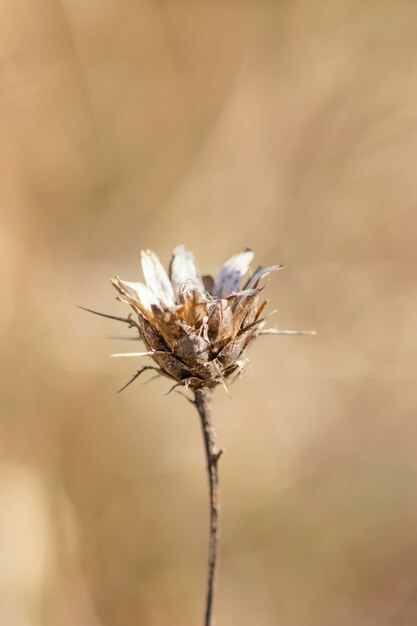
column 194, row 327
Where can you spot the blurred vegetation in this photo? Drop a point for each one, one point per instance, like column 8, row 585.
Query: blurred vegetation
column 286, row 126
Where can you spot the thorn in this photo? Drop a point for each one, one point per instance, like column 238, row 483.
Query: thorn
column 124, row 338
column 244, row 292
column 129, row 354
column 215, row 456
column 172, row 388
column 277, row 331
column 111, row 317
column 138, row 373
column 223, row 382
column 153, row 378
column 221, row 377
column 180, row 393
column 260, row 310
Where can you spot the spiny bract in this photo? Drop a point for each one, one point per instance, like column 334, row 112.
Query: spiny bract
column 194, row 327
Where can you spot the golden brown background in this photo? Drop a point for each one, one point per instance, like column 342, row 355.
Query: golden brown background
column 287, row 126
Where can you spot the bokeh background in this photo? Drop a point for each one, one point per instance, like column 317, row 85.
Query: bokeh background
column 287, row 126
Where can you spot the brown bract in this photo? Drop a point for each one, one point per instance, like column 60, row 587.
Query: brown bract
column 195, row 329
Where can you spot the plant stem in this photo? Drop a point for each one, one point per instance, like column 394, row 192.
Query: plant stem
column 203, row 404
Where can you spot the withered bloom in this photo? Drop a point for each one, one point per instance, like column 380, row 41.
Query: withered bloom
column 197, row 329
column 194, row 327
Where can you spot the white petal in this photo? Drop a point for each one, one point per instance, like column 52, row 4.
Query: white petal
column 156, row 277
column 184, row 269
column 231, row 274
column 145, row 296
column 260, row 273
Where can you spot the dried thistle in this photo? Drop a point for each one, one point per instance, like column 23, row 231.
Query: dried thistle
column 196, row 329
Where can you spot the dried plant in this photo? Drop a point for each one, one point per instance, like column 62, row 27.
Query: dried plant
column 196, row 329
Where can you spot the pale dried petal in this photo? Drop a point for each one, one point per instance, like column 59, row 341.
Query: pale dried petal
column 138, row 296
column 232, row 273
column 263, row 271
column 156, row 277
column 145, row 296
column 183, row 268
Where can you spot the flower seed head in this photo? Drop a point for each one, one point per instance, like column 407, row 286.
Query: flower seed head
column 196, row 328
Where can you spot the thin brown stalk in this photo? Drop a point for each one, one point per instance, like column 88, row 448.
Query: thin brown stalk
column 203, row 404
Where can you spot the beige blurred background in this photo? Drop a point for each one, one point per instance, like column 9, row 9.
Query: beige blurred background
column 290, row 127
